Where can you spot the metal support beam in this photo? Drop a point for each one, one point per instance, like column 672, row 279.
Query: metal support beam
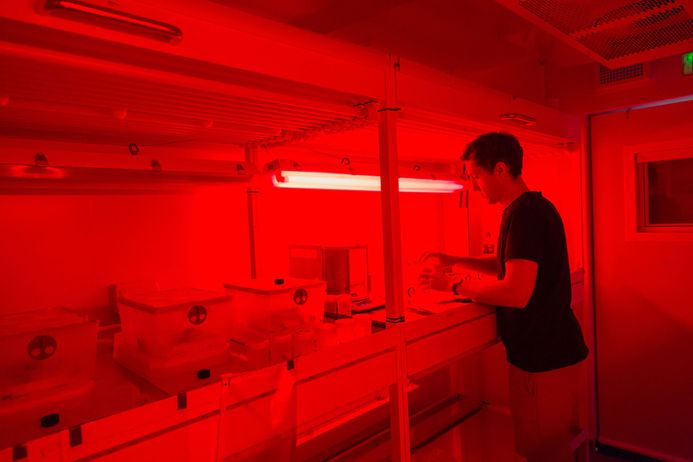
column 389, row 185
column 392, row 248
column 251, row 159
column 589, row 300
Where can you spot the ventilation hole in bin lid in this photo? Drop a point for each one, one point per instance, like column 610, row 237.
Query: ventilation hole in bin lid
column 300, row 296
column 203, row 374
column 50, row 420
column 197, row 314
column 279, row 281
column 42, row 347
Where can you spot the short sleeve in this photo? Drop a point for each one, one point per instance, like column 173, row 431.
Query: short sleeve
column 525, row 235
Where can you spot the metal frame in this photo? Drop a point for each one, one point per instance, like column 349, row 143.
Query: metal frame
column 392, row 249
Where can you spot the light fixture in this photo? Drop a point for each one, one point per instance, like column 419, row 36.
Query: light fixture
column 78, row 168
column 348, row 182
column 519, row 119
column 114, row 17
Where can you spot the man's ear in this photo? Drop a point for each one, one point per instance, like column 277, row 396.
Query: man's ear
column 500, row 168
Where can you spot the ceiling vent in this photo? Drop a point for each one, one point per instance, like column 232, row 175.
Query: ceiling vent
column 621, row 74
column 615, row 33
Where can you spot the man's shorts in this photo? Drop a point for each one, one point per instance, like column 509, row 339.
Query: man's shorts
column 544, row 407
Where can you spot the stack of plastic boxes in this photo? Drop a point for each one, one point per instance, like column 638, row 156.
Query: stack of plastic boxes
column 47, row 358
column 280, row 318
column 173, row 337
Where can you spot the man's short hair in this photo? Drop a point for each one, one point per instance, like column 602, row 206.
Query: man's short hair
column 489, row 149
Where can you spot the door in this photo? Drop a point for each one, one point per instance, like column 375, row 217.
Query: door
column 644, row 280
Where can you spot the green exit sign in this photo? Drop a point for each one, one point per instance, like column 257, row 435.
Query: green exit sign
column 687, row 60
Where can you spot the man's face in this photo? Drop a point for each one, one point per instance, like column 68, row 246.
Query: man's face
column 484, row 181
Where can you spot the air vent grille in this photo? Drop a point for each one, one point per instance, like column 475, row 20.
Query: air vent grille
column 644, row 34
column 574, row 16
column 608, row 76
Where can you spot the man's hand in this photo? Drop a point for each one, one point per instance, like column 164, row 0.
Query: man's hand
column 437, row 278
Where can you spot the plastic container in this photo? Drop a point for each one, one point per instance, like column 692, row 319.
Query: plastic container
column 182, row 367
column 250, row 350
column 45, row 350
column 331, row 304
column 326, row 335
column 156, row 321
column 281, row 348
column 258, row 354
column 345, row 329
column 277, row 305
column 344, row 305
column 304, row 342
column 362, row 325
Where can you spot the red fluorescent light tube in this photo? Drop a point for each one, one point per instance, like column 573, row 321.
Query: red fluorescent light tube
column 347, row 182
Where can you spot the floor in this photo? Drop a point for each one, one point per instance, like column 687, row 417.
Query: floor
column 485, row 437
column 602, row 458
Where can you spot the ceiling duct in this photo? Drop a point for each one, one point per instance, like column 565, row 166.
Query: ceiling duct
column 614, row 32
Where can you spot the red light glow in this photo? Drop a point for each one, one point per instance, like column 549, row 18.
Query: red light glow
column 36, row 172
column 347, row 182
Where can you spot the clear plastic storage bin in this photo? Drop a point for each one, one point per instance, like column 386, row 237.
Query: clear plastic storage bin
column 155, row 322
column 250, row 352
column 184, row 367
column 45, row 350
column 277, row 305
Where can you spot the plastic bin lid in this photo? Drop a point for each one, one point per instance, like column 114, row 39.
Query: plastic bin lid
column 273, row 286
column 39, row 320
column 329, row 247
column 171, row 299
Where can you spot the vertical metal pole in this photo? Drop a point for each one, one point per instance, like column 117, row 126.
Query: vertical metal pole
column 389, row 186
column 589, row 301
column 221, row 429
column 251, row 159
column 392, row 248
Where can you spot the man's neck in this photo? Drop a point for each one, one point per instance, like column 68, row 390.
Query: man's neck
column 515, row 190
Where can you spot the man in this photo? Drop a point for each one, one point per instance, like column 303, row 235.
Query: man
column 541, row 335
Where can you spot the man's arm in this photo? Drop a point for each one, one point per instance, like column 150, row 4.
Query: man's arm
column 485, row 265
column 514, row 291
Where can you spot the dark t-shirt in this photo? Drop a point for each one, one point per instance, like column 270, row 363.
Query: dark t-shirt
column 545, row 335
